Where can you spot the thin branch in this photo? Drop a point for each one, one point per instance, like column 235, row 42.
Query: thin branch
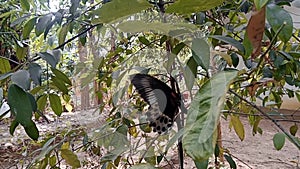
column 297, row 144
column 9, row 60
column 143, row 156
column 78, row 35
column 271, row 45
column 247, row 114
column 288, row 120
column 294, row 36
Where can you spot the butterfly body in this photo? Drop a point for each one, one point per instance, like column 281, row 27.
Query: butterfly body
column 164, row 102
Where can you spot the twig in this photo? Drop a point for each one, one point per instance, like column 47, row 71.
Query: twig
column 271, row 45
column 69, row 40
column 74, row 37
column 247, row 114
column 143, row 156
column 9, row 60
column 269, row 117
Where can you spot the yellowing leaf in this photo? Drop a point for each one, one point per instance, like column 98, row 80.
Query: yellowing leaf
column 65, row 145
column 70, row 158
column 293, row 129
column 4, row 66
column 21, row 52
column 226, row 57
column 238, row 127
column 69, row 107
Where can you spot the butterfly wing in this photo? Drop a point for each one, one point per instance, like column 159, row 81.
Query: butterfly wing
column 163, row 101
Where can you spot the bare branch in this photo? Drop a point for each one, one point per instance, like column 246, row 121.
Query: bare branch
column 290, row 137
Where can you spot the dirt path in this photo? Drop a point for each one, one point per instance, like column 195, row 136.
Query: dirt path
column 258, row 151
column 254, row 152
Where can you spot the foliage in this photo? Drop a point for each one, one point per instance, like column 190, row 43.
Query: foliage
column 204, row 46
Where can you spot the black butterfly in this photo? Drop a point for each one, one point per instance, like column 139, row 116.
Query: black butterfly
column 164, row 102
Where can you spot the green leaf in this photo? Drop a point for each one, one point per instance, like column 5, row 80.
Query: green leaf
column 70, row 158
column 178, row 48
column 60, row 85
column 19, row 20
column 238, row 127
column 20, row 105
column 235, row 59
column 49, row 58
column 140, row 26
column 21, row 52
column 4, row 66
column 43, row 163
column 48, row 27
column 28, row 27
column 42, row 24
column 202, row 164
column 5, row 75
column 260, row 3
column 278, row 17
column 63, row 33
column 226, row 57
column 31, row 130
column 55, row 104
column 192, row 6
column 230, row 161
column 32, row 101
column 6, row 14
column 25, row 5
column 35, row 71
column 293, row 129
column 1, row 94
column 21, row 78
column 247, row 46
column 74, row 6
column 144, row 40
column 192, row 65
column 201, row 53
column 52, row 161
column 14, row 124
column 279, row 140
column 200, row 134
column 119, row 8
column 61, row 76
column 255, row 125
column 41, row 102
column 190, row 73
column 230, row 41
column 150, row 156
column 163, row 39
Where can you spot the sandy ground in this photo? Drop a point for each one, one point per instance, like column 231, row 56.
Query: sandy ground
column 258, row 151
column 254, row 152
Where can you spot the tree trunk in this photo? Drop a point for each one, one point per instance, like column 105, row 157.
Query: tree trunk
column 85, row 99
